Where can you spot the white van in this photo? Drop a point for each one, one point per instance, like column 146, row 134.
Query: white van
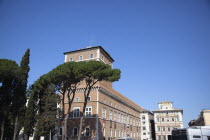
column 125, row 138
column 192, row 133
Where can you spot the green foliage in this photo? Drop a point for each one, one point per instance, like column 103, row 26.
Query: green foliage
column 8, row 76
column 47, row 115
column 31, row 112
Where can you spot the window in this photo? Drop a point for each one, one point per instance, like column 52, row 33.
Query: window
column 75, row 131
column 177, row 119
column 104, row 132
column 163, row 128
column 144, row 133
column 118, row 117
column 196, row 136
column 110, row 103
column 88, row 111
column 60, row 131
column 115, row 134
column 87, row 132
column 91, row 55
column 159, row 137
column 76, row 112
column 102, row 57
column 162, row 119
column 115, row 116
column 169, row 129
column 80, row 57
column 77, row 99
column 104, row 100
column 110, row 114
column 89, row 98
column 104, row 112
column 158, row 119
column 143, row 117
column 143, row 122
column 144, row 128
column 110, row 133
column 118, row 133
column 71, row 59
column 172, row 119
column 158, row 128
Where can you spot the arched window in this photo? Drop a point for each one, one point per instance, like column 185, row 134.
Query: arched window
column 75, row 131
column 87, row 132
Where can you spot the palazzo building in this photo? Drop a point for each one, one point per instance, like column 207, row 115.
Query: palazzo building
column 166, row 119
column 108, row 114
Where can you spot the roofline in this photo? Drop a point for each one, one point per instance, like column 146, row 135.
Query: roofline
column 167, row 110
column 165, row 102
column 92, row 48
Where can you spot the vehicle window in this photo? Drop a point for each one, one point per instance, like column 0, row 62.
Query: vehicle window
column 196, row 136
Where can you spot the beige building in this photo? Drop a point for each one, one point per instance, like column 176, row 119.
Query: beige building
column 166, row 119
column 206, row 116
column 108, row 114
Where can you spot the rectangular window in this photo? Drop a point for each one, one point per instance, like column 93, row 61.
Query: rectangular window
column 110, row 103
column 144, row 128
column 80, row 57
column 115, row 134
column 158, row 128
column 162, row 119
column 104, row 112
column 89, row 99
column 91, row 55
column 110, row 114
column 88, row 111
column 71, row 59
column 115, row 116
column 143, row 117
column 110, row 132
column 163, row 128
column 119, row 117
column 76, row 112
column 77, row 99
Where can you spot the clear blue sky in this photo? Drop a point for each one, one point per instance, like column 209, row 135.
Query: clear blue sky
column 161, row 46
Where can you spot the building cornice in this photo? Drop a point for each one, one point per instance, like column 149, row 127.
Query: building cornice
column 89, row 48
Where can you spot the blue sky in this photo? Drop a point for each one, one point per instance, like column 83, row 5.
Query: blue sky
column 162, row 47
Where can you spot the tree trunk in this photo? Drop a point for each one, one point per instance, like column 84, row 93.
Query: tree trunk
column 80, row 127
column 16, row 128
column 2, row 130
column 66, row 125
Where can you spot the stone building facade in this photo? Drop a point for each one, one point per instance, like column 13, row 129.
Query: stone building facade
column 166, row 119
column 147, row 125
column 109, row 114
